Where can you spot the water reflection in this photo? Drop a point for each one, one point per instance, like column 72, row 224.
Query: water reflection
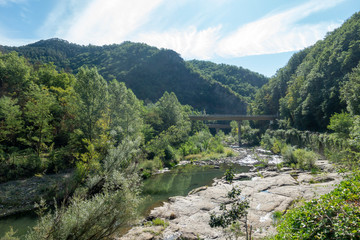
column 179, row 182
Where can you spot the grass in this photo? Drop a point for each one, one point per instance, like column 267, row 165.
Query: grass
column 157, row 222
column 228, row 152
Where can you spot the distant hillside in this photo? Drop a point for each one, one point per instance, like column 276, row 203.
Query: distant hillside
column 240, row 80
column 307, row 90
column 149, row 72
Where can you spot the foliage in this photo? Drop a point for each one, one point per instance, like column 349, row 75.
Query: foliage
column 341, row 123
column 240, row 80
column 229, row 175
column 149, row 72
column 307, row 90
column 350, row 91
column 11, row 122
column 159, row 222
column 294, row 157
column 305, row 159
column 334, row 216
column 39, row 116
column 10, row 235
column 124, row 112
column 107, row 203
column 96, row 218
column 92, row 94
column 237, row 211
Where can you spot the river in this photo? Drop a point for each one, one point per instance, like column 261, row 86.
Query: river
column 157, row 189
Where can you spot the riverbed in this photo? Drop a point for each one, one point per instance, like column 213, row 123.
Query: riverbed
column 157, row 189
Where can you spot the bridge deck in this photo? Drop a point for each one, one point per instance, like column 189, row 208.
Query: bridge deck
column 218, row 126
column 233, row 117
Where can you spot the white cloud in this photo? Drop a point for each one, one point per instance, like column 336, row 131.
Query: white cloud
column 4, row 40
column 110, row 21
column 62, row 17
column 277, row 33
column 114, row 21
column 5, row 2
column 191, row 43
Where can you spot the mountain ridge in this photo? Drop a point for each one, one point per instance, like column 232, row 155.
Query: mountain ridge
column 134, row 64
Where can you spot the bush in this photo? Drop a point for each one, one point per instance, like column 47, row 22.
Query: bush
column 335, row 215
column 229, row 175
column 250, row 135
column 106, row 203
column 287, row 152
column 159, row 222
column 95, row 218
column 305, row 159
column 341, row 124
column 237, row 212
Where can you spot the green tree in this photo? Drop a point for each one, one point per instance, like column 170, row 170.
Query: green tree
column 38, row 114
column 350, row 91
column 106, row 205
column 92, row 92
column 124, row 112
column 14, row 74
column 237, row 212
column 170, row 110
column 341, row 124
column 11, row 122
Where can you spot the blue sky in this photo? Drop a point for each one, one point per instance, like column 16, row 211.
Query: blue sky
column 260, row 35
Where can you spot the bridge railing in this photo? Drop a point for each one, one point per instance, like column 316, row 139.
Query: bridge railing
column 237, row 118
column 232, row 117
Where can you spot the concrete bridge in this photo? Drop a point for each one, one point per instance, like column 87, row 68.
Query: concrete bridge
column 238, row 118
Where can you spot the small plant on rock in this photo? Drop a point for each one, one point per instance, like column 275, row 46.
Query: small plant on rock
column 233, row 215
column 229, row 175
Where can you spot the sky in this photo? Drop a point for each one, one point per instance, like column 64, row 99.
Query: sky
column 260, row 35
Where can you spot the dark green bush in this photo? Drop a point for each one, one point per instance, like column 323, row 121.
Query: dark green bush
column 229, row 175
column 335, row 215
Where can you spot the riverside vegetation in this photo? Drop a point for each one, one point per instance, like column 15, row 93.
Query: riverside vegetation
column 52, row 120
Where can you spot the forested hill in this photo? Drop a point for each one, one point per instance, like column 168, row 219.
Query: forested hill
column 313, row 85
column 149, row 72
column 240, row 80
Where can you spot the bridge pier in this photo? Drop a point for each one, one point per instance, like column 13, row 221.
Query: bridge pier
column 237, row 118
column 239, row 132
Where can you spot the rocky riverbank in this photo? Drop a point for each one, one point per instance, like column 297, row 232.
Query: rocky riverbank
column 268, row 191
column 21, row 195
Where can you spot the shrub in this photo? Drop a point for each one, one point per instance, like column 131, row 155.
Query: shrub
column 10, row 235
column 305, row 159
column 159, row 222
column 95, row 218
column 237, row 212
column 230, row 153
column 341, row 124
column 229, row 175
column 287, row 152
column 335, row 215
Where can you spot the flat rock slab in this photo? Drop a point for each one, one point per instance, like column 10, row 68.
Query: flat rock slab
column 189, row 216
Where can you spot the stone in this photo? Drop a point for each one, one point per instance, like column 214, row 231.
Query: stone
column 267, row 192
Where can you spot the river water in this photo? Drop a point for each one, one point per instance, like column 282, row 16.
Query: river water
column 157, row 189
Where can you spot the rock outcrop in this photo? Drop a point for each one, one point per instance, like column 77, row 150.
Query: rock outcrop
column 267, row 192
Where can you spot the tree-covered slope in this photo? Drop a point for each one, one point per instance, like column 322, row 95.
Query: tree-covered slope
column 149, row 72
column 307, row 90
column 240, row 80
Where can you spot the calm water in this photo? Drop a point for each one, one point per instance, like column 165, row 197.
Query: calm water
column 20, row 223
column 178, row 182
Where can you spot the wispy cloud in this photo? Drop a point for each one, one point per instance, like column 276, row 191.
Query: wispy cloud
column 190, row 42
column 110, row 21
column 113, row 21
column 4, row 40
column 279, row 32
column 61, row 18
column 5, row 2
